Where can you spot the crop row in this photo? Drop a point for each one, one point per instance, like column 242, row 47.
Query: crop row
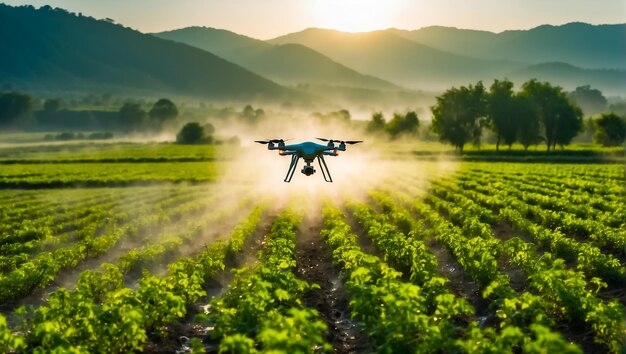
column 43, row 268
column 611, row 191
column 407, row 317
column 262, row 308
column 101, row 315
column 173, row 239
column 61, row 207
column 582, row 204
column 522, row 314
column 565, row 292
column 589, row 258
column 602, row 235
column 104, row 174
column 27, row 233
column 592, row 172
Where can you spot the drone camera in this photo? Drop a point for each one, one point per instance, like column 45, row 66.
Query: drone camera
column 308, row 170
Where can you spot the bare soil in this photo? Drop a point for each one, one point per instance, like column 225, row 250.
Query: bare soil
column 314, row 264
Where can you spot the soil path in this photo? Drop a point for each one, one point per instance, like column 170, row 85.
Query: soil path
column 314, row 264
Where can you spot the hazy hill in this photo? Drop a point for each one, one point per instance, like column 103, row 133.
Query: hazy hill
column 392, row 57
column 50, row 49
column 611, row 81
column 287, row 64
column 223, row 43
column 580, row 44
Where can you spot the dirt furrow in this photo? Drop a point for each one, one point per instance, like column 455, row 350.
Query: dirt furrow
column 314, row 264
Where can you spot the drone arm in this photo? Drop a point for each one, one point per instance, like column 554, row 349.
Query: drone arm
column 285, row 153
column 324, row 168
column 330, row 153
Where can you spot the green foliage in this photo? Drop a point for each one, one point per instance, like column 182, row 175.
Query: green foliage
column 377, row 123
column 340, row 116
column 528, row 127
column 13, row 106
column 131, row 117
column 53, row 105
column 251, row 115
column 102, row 315
column 610, row 129
column 283, row 333
column 502, row 112
column 95, row 285
column 265, row 303
column 561, row 120
column 399, row 316
column 9, row 342
column 571, row 217
column 163, row 110
column 458, row 116
column 193, row 133
column 402, row 124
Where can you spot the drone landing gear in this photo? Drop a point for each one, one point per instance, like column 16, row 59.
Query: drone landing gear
column 292, row 168
column 308, row 169
column 324, row 168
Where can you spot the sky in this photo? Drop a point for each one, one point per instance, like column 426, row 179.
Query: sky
column 266, row 19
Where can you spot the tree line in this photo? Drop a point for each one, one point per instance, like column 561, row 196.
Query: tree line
column 21, row 111
column 400, row 124
column 539, row 112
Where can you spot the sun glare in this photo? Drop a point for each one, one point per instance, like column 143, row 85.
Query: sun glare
column 355, row 15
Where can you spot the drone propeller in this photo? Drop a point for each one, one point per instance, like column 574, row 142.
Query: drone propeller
column 350, row 142
column 273, row 141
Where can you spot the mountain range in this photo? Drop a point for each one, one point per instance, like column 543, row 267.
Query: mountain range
column 50, row 49
column 288, row 64
column 438, row 57
column 394, row 58
column 579, row 44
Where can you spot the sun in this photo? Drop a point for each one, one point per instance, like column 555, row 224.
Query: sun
column 355, row 15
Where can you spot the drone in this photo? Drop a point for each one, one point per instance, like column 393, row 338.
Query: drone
column 309, row 151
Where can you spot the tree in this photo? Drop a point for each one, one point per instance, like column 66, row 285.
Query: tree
column 377, row 123
column 528, row 128
column 561, row 120
column 131, row 116
column 192, row 133
column 163, row 110
column 610, row 129
column 403, row 124
column 250, row 115
column 342, row 116
column 570, row 118
column 13, row 106
column 501, row 112
column 459, row 115
column 591, row 101
column 53, row 105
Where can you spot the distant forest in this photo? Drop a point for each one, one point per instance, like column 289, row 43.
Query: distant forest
column 539, row 113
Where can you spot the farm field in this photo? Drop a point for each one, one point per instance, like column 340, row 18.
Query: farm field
column 124, row 247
